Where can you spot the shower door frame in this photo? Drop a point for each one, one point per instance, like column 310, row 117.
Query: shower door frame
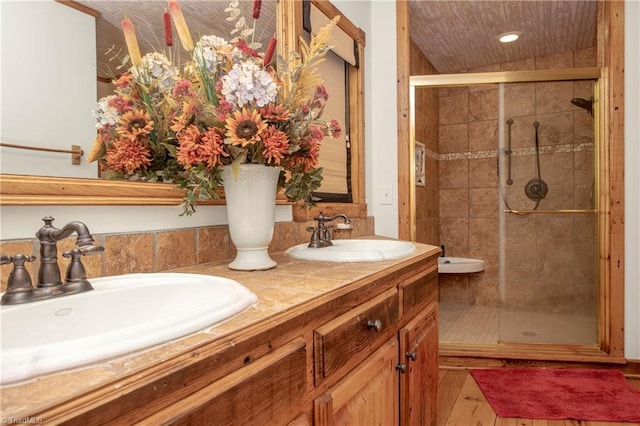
column 610, row 302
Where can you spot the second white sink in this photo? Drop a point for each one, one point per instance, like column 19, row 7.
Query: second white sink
column 353, row 251
column 122, row 314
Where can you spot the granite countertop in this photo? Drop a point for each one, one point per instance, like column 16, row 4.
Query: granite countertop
column 292, row 284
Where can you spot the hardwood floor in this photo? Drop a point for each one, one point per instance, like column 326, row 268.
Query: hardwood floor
column 461, row 403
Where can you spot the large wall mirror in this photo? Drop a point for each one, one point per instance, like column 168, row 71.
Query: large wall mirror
column 31, row 177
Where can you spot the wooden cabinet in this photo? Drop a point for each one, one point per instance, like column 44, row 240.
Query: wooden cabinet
column 397, row 384
column 419, row 378
column 361, row 353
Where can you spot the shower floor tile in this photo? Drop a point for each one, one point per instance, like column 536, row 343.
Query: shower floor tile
column 468, row 323
column 487, row 325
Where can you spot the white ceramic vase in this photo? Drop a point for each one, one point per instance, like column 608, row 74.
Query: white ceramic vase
column 251, row 211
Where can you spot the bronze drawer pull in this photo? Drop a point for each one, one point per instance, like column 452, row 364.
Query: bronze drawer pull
column 411, row 355
column 376, row 325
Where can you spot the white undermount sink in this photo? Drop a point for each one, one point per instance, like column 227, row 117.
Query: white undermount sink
column 460, row 265
column 123, row 313
column 353, row 251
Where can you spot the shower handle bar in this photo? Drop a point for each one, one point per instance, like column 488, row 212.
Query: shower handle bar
column 536, row 125
column 525, row 212
column 508, row 153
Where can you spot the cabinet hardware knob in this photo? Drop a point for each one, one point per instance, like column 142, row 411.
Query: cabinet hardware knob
column 376, row 325
column 402, row 367
column 412, row 355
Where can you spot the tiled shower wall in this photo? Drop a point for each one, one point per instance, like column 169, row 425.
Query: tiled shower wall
column 550, row 258
column 426, row 131
column 166, row 250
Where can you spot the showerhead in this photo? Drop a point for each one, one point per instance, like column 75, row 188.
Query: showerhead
column 586, row 104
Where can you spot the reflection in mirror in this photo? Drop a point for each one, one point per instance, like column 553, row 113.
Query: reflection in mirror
column 203, row 18
column 48, row 87
column 49, row 92
column 44, row 15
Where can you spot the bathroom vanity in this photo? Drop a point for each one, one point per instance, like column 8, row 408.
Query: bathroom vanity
column 326, row 343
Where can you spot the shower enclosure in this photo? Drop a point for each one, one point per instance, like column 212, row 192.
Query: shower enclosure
column 518, row 165
column 548, row 251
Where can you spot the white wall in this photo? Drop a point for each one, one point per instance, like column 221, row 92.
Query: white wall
column 377, row 18
column 632, row 179
column 48, row 87
column 18, row 222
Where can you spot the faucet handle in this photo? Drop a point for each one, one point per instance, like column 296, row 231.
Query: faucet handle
column 19, row 283
column 76, row 277
column 315, row 237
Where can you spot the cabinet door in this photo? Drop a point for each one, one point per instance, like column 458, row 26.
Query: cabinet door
column 366, row 396
column 419, row 381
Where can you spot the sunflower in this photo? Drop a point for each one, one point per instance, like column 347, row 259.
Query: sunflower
column 99, row 146
column 134, row 123
column 244, row 127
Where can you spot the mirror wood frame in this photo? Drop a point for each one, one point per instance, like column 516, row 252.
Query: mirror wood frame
column 27, row 190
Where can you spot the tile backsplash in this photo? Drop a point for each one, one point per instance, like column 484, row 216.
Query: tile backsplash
column 167, row 249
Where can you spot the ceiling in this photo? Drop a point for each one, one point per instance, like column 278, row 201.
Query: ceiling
column 455, row 35
column 458, row 35
column 203, row 17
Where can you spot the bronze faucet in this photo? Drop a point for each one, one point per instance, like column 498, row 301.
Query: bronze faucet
column 49, row 283
column 321, row 233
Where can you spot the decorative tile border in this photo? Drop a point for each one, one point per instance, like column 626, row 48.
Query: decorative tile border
column 474, row 155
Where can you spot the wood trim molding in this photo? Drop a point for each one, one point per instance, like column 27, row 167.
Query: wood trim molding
column 25, row 190
column 82, row 8
column 406, row 193
column 613, row 201
column 344, row 24
column 505, row 77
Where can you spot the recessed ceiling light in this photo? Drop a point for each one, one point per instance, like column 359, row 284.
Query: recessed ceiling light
column 509, row 37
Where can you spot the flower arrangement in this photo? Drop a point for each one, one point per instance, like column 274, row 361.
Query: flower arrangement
column 228, row 105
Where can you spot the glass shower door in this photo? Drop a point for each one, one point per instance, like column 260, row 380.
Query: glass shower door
column 548, row 223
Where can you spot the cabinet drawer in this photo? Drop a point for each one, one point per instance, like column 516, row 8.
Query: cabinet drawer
column 339, row 340
column 419, row 291
column 263, row 392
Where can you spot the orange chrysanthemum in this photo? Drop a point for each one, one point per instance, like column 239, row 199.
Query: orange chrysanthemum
column 134, row 123
column 128, row 156
column 196, row 147
column 275, row 112
column 309, row 152
column 245, row 127
column 276, row 145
